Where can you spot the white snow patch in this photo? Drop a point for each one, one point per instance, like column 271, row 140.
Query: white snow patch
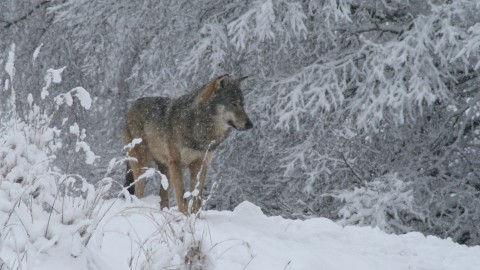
column 30, row 99
column 83, row 96
column 147, row 174
column 131, row 145
column 9, row 67
column 74, row 129
column 36, row 52
column 53, row 75
column 164, row 181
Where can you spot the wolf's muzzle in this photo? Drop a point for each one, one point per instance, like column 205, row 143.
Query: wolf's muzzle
column 247, row 125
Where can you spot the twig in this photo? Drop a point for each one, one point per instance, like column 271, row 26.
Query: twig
column 360, row 180
column 25, row 16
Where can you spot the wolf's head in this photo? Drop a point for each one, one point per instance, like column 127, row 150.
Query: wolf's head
column 224, row 96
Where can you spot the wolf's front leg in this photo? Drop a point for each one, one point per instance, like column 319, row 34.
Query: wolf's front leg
column 176, row 179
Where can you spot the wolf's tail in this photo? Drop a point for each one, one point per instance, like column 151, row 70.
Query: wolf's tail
column 129, row 180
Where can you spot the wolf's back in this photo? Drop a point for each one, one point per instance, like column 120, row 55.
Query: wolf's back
column 144, row 110
column 149, row 108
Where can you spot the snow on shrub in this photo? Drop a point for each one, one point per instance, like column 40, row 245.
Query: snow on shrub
column 386, row 203
column 47, row 215
column 42, row 210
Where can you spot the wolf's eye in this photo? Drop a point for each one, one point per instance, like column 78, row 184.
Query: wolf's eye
column 235, row 104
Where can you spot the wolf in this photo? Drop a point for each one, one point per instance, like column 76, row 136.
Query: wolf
column 183, row 133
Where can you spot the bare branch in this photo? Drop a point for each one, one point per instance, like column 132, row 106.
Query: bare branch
column 9, row 23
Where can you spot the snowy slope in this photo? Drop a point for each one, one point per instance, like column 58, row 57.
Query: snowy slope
column 141, row 236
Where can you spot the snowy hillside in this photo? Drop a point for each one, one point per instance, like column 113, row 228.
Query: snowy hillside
column 138, row 236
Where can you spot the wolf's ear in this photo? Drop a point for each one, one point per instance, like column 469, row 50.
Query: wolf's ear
column 241, row 81
column 221, row 81
column 209, row 90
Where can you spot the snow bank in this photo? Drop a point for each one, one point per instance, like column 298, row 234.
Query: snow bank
column 277, row 243
column 138, row 236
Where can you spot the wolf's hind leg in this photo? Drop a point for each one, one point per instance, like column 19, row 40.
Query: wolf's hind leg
column 198, row 172
column 129, row 180
column 140, row 153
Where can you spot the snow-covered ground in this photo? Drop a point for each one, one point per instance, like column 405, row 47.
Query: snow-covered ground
column 138, row 236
